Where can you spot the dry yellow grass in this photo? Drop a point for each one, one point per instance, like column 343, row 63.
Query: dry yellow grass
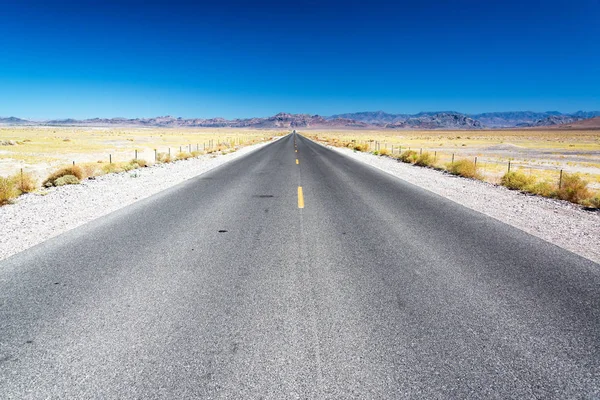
column 464, row 168
column 40, row 150
column 14, row 186
column 8, row 190
column 74, row 170
column 25, row 182
column 541, row 150
column 96, row 151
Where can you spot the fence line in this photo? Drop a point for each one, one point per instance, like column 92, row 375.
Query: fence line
column 482, row 163
column 208, row 147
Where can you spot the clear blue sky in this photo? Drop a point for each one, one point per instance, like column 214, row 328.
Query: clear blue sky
column 228, row 58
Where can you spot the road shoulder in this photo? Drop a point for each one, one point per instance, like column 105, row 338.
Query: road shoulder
column 561, row 223
column 35, row 218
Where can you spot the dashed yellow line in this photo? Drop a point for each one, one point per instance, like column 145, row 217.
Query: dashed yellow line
column 300, row 197
column 297, row 162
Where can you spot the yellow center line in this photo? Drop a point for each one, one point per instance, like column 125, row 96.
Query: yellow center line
column 300, row 197
column 296, row 151
column 297, row 162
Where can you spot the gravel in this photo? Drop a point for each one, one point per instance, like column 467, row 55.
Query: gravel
column 559, row 222
column 37, row 217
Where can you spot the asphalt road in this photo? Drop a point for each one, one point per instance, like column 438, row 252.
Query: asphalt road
column 222, row 287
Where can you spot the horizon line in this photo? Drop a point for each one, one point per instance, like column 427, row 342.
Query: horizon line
column 284, row 112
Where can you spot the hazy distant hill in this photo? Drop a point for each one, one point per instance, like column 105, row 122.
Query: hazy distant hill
column 555, row 120
column 422, row 120
column 510, row 119
column 281, row 120
column 373, row 117
column 506, row 119
column 13, row 121
column 367, row 119
column 586, row 114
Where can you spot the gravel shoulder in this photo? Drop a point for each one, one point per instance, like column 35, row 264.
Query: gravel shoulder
column 559, row 222
column 36, row 217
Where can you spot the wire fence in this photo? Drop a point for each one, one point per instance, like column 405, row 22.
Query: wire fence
column 152, row 154
column 490, row 167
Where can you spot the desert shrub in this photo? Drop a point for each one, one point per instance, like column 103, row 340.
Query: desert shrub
column 164, row 158
column 198, row 153
column 141, row 163
column 384, row 152
column 517, row 180
column 66, row 180
column 593, row 202
column 408, row 156
column 185, row 155
column 573, row 189
column 25, row 183
column 90, row 169
column 359, row 147
column 111, row 168
column 542, row 189
column 464, row 168
column 8, row 190
column 424, row 160
column 74, row 170
column 130, row 166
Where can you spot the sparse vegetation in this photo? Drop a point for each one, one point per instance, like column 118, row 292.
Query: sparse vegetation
column 74, row 170
column 573, row 189
column 464, row 168
column 164, row 158
column 14, row 186
column 8, row 190
column 593, row 202
column 40, row 146
column 141, row 163
column 66, row 180
column 25, row 182
column 543, row 181
column 130, row 166
column 517, row 181
column 184, row 155
column 409, row 156
column 425, row 160
column 111, row 168
column 360, row 147
column 542, row 188
column 90, row 169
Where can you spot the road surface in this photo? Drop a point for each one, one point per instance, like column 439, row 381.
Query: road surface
column 298, row 274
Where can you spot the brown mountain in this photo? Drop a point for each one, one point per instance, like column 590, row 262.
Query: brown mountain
column 590, row 123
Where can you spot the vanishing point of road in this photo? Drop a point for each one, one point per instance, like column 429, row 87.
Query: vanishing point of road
column 296, row 272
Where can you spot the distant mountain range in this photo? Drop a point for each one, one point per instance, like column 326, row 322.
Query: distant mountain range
column 376, row 119
column 453, row 119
